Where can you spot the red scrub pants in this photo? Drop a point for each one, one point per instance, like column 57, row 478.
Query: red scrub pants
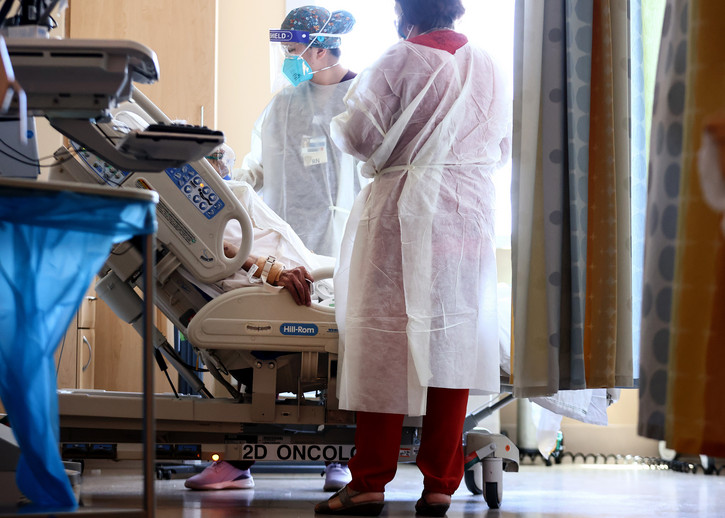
column 440, row 458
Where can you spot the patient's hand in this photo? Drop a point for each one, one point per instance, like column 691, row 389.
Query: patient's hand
column 296, row 282
column 230, row 250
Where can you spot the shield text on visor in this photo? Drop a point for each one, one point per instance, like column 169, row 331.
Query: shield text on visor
column 289, row 36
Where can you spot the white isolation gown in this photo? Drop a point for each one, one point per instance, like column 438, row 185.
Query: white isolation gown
column 303, row 177
column 415, row 287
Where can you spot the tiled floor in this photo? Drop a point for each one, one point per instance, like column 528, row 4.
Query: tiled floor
column 558, row 491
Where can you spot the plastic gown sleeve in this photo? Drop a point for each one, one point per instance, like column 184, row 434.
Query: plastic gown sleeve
column 252, row 170
column 369, row 112
column 53, row 245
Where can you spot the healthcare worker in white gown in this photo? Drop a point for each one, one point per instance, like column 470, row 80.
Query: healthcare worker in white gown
column 302, row 176
column 275, row 243
column 415, row 288
column 293, row 162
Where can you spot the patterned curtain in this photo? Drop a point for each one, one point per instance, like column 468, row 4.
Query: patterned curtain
column 683, row 332
column 578, row 171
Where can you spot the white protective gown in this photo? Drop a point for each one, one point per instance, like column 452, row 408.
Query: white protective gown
column 302, row 175
column 415, row 286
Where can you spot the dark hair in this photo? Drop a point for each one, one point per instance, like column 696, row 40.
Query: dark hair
column 430, row 14
column 335, row 52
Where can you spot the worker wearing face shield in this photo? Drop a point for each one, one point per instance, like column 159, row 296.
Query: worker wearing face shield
column 297, row 169
column 293, row 162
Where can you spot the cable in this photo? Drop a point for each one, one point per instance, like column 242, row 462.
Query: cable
column 18, row 159
column 33, row 163
column 22, row 156
column 45, row 18
column 165, row 368
column 166, row 371
column 31, row 160
column 16, row 151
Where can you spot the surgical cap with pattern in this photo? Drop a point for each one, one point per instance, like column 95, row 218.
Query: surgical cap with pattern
column 312, row 19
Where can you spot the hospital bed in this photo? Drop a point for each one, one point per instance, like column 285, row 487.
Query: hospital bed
column 72, row 84
column 290, row 412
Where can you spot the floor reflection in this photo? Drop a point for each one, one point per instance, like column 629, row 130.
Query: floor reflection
column 537, row 491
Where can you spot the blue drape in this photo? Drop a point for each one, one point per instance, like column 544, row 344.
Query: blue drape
column 53, row 243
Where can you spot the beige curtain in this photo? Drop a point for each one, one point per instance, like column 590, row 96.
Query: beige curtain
column 576, row 164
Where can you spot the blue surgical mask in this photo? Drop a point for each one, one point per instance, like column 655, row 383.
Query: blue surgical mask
column 296, row 69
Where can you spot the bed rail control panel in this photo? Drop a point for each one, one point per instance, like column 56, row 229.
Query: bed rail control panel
column 109, row 174
column 196, row 190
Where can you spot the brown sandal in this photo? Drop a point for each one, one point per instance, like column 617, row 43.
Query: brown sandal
column 423, row 508
column 350, row 508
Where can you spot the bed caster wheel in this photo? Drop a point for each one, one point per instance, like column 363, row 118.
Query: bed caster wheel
column 474, row 479
column 492, row 491
column 492, row 470
column 493, row 494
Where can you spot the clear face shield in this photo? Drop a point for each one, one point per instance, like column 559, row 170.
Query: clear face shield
column 294, row 65
column 222, row 160
column 294, row 44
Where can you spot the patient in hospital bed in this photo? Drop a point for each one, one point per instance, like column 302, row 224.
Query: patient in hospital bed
column 273, row 237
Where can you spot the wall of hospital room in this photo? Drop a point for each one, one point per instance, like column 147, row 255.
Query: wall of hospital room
column 214, row 58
